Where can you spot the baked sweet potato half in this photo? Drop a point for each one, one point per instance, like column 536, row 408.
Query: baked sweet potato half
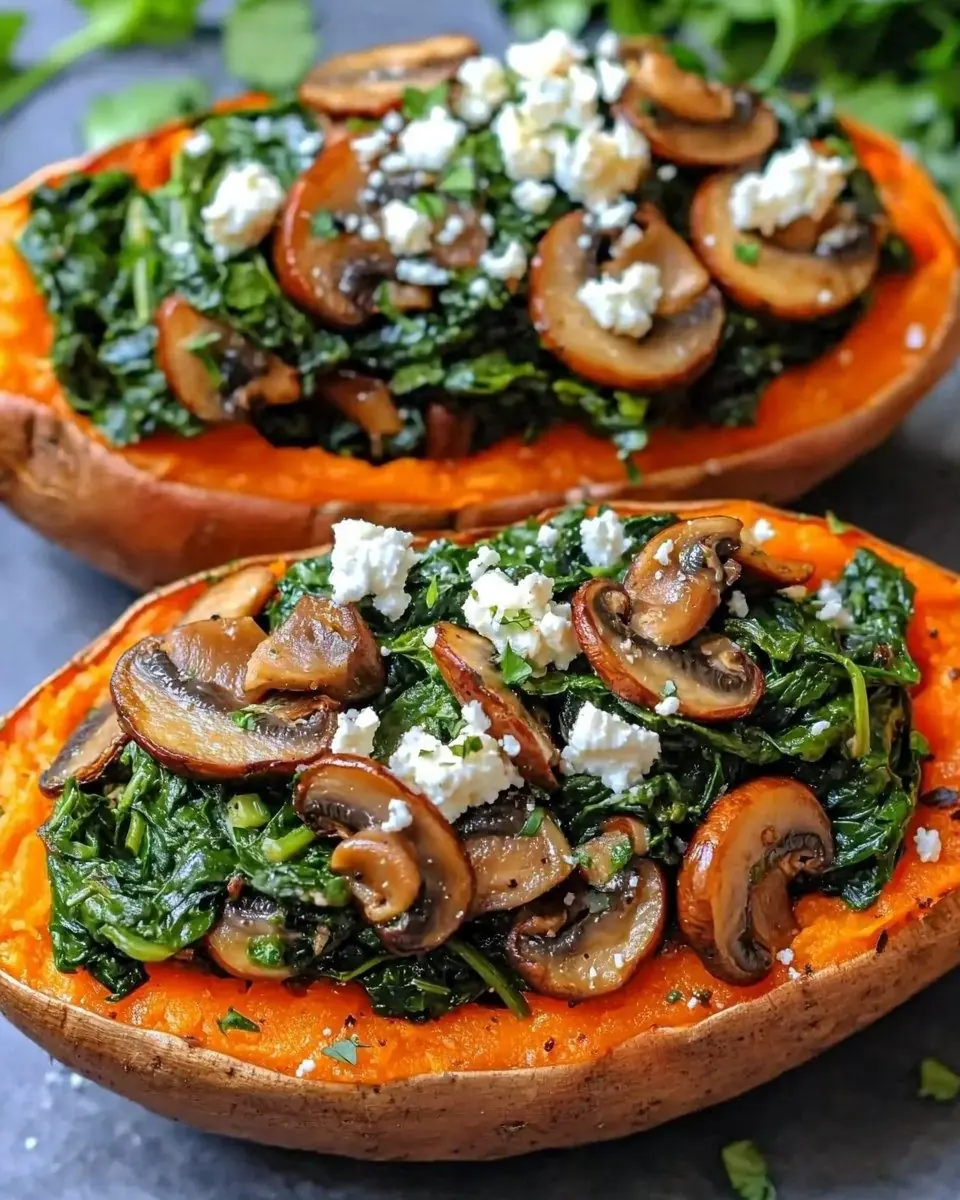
column 434, row 311
column 696, row 887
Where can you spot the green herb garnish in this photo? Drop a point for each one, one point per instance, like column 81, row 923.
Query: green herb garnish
column 233, row 1020
column 938, row 1081
column 747, row 1171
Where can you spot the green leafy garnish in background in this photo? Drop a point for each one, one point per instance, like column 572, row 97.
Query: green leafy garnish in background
column 938, row 1081
column 140, row 108
column 747, row 1171
column 270, row 44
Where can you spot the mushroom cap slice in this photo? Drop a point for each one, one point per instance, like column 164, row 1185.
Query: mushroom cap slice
column 213, row 370
column 449, row 433
column 371, row 82
column 675, row 352
column 683, row 277
column 618, row 835
column 242, row 593
column 241, row 924
column 320, row 647
column 764, row 570
column 593, row 946
column 366, row 401
column 794, row 285
column 467, row 663
column 215, row 653
column 749, row 133
column 714, row 680
column 684, row 94
column 382, row 871
column 189, row 725
column 732, row 897
column 344, row 793
column 90, row 750
column 676, row 581
column 512, row 868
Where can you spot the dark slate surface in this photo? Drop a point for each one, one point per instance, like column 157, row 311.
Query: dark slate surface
column 847, row 1126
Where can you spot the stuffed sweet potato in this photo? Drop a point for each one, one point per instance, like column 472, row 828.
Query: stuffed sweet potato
column 506, row 888
column 440, row 305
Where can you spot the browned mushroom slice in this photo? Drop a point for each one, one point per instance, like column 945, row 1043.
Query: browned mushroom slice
column 732, row 892
column 517, row 856
column 676, row 581
column 370, row 82
column 367, row 402
column 711, row 677
column 683, row 276
column 215, row 653
column 760, row 275
column 346, row 794
column 320, row 647
column 676, row 351
column 383, row 873
column 213, row 370
column 467, row 663
column 683, row 94
column 762, row 569
column 593, row 945
column 191, row 727
column 242, row 593
column 466, row 246
column 449, row 434
column 94, row 746
column 249, row 940
column 619, row 839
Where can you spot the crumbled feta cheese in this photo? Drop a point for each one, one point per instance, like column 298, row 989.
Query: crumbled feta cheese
column 692, row 1002
column 533, row 197
column 355, row 732
column 669, row 706
column 607, row 746
column 824, row 297
column 663, row 552
column 479, row 287
column 511, row 747
column 603, row 539
column 667, row 172
column 624, row 304
column 547, row 536
column 428, row 143
column 454, row 781
column 451, row 229
column 372, row 145
column 737, row 604
column 819, row 727
column 200, row 143
column 613, row 79
column 524, row 148
column 406, row 230
column 486, row 557
column 583, row 94
column 599, row 166
column 838, row 237
column 395, row 163
column 510, row 263
column 369, row 560
column 630, row 237
column 487, row 223
column 831, row 607
column 523, row 616
column 762, row 531
column 793, row 973
column 243, row 209
column 608, row 45
column 785, row 956
column 797, row 182
column 927, row 842
column 370, row 230
column 392, row 122
column 553, row 54
column 307, row 1067
column 421, row 272
column 615, row 216
column 483, row 88
column 430, row 637
column 545, row 101
column 399, row 816
column 916, row 337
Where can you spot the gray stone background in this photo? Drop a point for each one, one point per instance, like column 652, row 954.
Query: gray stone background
column 847, row 1126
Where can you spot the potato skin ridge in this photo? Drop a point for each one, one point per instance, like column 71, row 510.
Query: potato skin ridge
column 228, row 493
column 478, row 1083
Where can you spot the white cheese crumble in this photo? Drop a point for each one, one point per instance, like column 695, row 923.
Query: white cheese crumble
column 762, row 531
column 369, row 560
column 553, row 54
column 797, row 182
column 669, row 706
column 451, row 229
column 605, row 745
column 916, row 336
column 663, row 552
column 355, row 732
column 406, row 230
column 307, row 1067
column 200, row 143
column 509, row 264
column 243, row 209
column 819, row 727
column 372, row 145
column 625, row 304
column 430, row 637
column 399, row 816
column 532, row 196
column 785, row 956
column 421, row 272
column 599, row 166
column 524, row 148
column 547, row 536
column 486, row 558
column 608, row 45
column 483, row 88
column 455, row 781
column 613, row 79
column 603, row 539
column 511, row 747
column 523, row 616
column 825, row 296
column 831, row 607
column 927, row 842
column 428, row 143
column 615, row 216
column 737, row 604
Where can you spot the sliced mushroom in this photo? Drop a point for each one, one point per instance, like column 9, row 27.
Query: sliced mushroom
column 449, row 434
column 215, row 653
column 244, row 925
column 193, row 728
column 676, row 350
column 711, row 677
column 763, row 570
column 676, row 581
column 367, row 402
column 345, row 794
column 603, row 856
column 90, row 751
column 370, row 82
column 320, row 647
column 383, row 873
column 683, row 94
column 214, row 371
column 511, row 867
column 593, row 945
column 467, row 663
column 683, row 276
column 732, row 891
column 794, row 285
column 242, row 593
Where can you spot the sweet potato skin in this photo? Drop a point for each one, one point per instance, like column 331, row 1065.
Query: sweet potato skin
column 478, row 1084
column 150, row 513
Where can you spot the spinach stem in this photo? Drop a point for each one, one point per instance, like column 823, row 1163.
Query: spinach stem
column 278, row 850
column 138, row 239
column 135, row 832
column 491, row 975
column 861, row 711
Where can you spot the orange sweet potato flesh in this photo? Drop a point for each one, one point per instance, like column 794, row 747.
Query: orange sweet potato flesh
column 229, row 493
column 182, row 1001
